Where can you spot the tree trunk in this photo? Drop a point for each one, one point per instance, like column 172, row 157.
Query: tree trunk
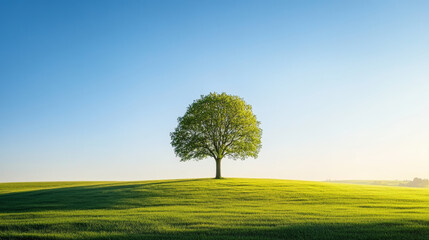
column 218, row 169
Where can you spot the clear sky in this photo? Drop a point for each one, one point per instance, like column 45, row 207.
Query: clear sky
column 90, row 90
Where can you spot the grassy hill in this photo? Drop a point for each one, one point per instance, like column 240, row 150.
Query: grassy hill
column 212, row 209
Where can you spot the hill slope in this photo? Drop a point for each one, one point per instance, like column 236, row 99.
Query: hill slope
column 211, row 209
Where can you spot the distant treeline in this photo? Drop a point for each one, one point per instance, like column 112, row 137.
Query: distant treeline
column 417, row 182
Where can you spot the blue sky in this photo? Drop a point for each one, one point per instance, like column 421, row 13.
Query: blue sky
column 90, row 90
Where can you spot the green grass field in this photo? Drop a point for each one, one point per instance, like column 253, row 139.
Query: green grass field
column 212, row 209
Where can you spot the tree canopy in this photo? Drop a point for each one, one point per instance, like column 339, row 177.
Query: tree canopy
column 217, row 126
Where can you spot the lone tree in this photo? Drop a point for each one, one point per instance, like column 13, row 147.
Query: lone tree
column 217, row 126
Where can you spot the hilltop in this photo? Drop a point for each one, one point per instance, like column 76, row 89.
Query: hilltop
column 211, row 209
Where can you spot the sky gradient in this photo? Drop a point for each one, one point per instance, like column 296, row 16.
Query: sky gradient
column 90, row 90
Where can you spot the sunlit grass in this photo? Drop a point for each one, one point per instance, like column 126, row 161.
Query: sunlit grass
column 212, row 209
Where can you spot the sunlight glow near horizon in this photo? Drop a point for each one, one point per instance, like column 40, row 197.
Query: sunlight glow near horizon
column 91, row 90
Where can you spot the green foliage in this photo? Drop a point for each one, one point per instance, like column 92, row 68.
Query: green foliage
column 218, row 126
column 212, row 209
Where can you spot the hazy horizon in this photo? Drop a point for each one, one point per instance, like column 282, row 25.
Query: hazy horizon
column 90, row 90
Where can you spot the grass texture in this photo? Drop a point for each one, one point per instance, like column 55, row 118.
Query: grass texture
column 212, row 209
